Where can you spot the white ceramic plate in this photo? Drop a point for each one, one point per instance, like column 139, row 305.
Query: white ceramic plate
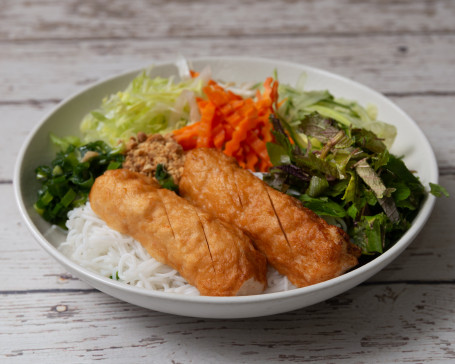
column 65, row 118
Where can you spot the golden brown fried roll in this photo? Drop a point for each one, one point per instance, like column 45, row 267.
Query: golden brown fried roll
column 218, row 259
column 296, row 242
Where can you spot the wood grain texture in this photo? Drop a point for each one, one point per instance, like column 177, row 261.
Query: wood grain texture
column 420, row 79
column 50, row 49
column 396, row 64
column 387, row 323
column 78, row 19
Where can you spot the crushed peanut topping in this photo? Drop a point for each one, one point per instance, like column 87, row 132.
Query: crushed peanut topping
column 144, row 153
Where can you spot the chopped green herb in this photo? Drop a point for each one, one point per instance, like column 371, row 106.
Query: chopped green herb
column 165, row 179
column 116, row 276
column 66, row 183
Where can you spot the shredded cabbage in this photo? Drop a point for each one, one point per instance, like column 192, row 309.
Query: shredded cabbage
column 149, row 105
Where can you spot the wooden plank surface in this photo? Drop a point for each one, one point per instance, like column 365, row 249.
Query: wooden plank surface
column 369, row 324
column 390, row 64
column 205, row 19
column 50, row 49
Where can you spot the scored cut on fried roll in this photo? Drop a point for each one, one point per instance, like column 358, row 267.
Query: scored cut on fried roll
column 296, row 242
column 218, row 259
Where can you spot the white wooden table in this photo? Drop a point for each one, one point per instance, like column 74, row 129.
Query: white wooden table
column 405, row 49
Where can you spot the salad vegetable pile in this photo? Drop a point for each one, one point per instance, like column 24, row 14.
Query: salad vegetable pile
column 332, row 154
column 346, row 175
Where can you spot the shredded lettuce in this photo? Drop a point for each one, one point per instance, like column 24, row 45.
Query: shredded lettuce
column 299, row 103
column 149, row 105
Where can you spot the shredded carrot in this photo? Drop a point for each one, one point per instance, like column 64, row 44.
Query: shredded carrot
column 206, row 125
column 237, row 126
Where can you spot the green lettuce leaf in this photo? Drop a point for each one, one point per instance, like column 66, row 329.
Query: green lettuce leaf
column 438, row 190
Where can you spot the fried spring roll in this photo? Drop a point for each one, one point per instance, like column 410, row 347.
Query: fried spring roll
column 296, row 242
column 217, row 259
